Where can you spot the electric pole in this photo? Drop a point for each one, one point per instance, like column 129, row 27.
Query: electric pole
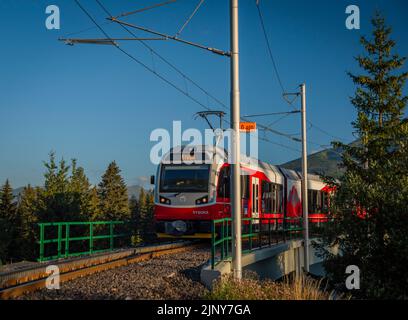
column 235, row 144
column 305, row 180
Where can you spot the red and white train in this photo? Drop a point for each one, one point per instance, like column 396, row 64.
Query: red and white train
column 188, row 196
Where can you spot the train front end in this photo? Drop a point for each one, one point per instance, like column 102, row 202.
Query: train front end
column 185, row 192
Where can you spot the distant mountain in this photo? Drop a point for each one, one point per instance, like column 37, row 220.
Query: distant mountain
column 324, row 162
column 134, row 191
column 18, row 191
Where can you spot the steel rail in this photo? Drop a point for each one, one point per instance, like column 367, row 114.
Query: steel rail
column 35, row 278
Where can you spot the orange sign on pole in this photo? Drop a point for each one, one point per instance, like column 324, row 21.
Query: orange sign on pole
column 247, row 126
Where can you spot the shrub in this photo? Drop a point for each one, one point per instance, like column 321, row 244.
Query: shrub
column 251, row 288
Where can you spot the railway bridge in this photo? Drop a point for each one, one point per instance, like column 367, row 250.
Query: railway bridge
column 96, row 252
column 273, row 248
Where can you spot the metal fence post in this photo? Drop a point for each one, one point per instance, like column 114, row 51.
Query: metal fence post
column 66, row 240
column 59, row 239
column 223, row 240
column 260, row 233
column 90, row 237
column 111, row 235
column 250, row 233
column 227, row 251
column 41, row 242
column 212, row 245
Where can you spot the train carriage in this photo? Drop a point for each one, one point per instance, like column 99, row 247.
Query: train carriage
column 192, row 188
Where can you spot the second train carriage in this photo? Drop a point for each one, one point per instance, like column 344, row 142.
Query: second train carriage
column 192, row 188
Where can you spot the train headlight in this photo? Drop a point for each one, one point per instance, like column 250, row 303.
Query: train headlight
column 202, row 200
column 164, row 200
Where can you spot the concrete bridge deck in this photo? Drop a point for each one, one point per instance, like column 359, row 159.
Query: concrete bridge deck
column 271, row 262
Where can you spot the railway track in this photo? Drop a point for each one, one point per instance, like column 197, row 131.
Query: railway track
column 26, row 279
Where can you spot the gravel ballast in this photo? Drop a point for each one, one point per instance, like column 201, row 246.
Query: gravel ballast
column 168, row 277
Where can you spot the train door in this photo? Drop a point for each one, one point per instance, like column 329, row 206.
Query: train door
column 255, row 198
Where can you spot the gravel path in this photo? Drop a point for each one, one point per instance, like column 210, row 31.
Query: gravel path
column 166, row 277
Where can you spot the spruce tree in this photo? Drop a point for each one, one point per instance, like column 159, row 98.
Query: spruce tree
column 5, row 239
column 113, row 195
column 370, row 203
column 135, row 221
column 55, row 195
column 81, row 194
column 11, row 222
column 146, row 222
column 28, row 213
column 94, row 204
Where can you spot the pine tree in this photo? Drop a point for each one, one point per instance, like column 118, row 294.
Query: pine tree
column 50, row 176
column 5, row 239
column 135, row 221
column 55, row 195
column 143, row 214
column 146, row 222
column 94, row 204
column 11, row 222
column 81, row 194
column 113, row 195
column 28, row 213
column 370, row 204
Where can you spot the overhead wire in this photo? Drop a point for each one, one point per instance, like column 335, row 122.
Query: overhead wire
column 166, row 61
column 145, row 8
column 269, row 46
column 138, row 61
column 175, row 68
column 260, row 15
column 190, row 18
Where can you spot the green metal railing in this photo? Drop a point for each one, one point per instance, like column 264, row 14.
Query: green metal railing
column 256, row 233
column 64, row 238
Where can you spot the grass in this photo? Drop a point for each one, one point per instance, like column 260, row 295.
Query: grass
column 251, row 288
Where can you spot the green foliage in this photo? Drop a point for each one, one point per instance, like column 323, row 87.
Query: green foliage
column 56, row 195
column 5, row 239
column 93, row 204
column 10, row 222
column 251, row 288
column 113, row 195
column 136, row 237
column 370, row 205
column 145, row 216
column 67, row 195
column 28, row 212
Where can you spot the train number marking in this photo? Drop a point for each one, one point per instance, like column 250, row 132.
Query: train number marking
column 200, row 212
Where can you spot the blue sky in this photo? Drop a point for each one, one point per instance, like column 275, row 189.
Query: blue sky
column 94, row 104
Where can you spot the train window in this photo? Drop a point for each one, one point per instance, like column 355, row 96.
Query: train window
column 278, row 198
column 184, row 178
column 223, row 189
column 267, row 197
column 325, row 202
column 272, row 197
column 245, row 186
column 317, row 201
column 311, row 199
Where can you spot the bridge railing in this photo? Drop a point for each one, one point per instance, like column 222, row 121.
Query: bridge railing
column 258, row 233
column 57, row 238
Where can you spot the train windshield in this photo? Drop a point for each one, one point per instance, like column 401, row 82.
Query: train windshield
column 183, row 178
